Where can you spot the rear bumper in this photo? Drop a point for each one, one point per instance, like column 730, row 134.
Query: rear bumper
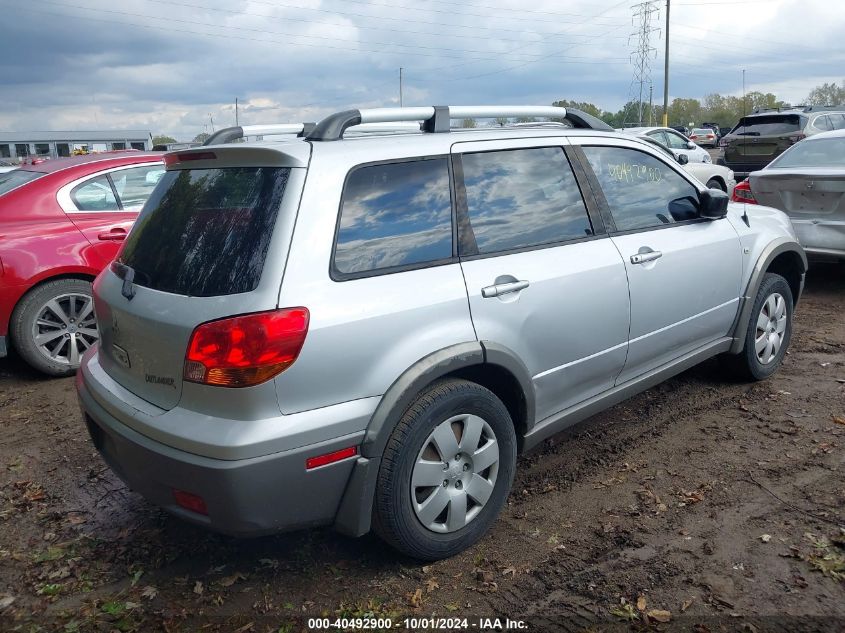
column 244, row 497
column 821, row 239
column 741, row 170
column 4, row 348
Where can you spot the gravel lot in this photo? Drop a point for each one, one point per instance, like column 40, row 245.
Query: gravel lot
column 713, row 503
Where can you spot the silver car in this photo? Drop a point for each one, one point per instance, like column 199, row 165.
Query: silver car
column 364, row 330
column 807, row 181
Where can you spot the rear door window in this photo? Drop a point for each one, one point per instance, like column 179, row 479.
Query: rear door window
column 95, row 194
column 394, row 216
column 205, row 232
column 641, row 191
column 676, row 141
column 768, row 125
column 522, row 198
column 134, row 186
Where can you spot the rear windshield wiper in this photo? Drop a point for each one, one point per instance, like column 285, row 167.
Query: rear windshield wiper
column 127, row 274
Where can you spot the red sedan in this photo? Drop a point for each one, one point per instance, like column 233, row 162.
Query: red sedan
column 61, row 222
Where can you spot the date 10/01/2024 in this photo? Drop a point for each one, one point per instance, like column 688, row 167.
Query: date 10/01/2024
column 417, row 624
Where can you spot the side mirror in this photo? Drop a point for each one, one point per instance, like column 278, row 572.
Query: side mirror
column 690, row 145
column 714, row 204
column 683, row 159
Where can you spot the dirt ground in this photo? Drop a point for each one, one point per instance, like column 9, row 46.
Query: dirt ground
column 716, row 505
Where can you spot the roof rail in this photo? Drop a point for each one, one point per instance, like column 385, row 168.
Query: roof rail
column 436, row 119
column 229, row 134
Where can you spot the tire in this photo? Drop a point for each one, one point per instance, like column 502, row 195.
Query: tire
column 751, row 364
column 414, row 455
column 714, row 183
column 60, row 326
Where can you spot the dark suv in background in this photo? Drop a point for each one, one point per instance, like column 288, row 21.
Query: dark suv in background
column 761, row 137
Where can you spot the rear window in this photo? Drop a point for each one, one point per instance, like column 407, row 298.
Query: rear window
column 205, row 232
column 827, row 152
column 15, row 178
column 702, row 132
column 768, row 125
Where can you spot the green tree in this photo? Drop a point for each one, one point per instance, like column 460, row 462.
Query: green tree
column 827, row 94
column 684, row 111
column 163, row 140
column 202, row 137
column 469, row 123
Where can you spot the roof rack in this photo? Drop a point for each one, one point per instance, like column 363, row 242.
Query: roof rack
column 437, row 119
column 229, row 134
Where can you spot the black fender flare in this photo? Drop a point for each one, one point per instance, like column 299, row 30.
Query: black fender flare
column 772, row 250
column 355, row 510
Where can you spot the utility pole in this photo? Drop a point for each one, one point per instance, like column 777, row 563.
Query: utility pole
column 211, row 118
column 666, row 73
column 642, row 52
column 400, row 86
column 650, row 106
column 236, row 112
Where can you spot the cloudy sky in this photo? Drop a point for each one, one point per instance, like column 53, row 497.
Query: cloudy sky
column 171, row 66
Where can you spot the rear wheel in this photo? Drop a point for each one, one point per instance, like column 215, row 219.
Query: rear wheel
column 715, row 183
column 54, row 324
column 446, row 471
column 769, row 331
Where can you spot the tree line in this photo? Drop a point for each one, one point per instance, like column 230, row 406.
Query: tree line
column 725, row 111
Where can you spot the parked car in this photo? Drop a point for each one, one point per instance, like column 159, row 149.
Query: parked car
column 681, row 129
column 761, row 137
column 7, row 165
column 61, row 222
column 807, row 182
column 329, row 329
column 714, row 176
column 704, row 137
column 675, row 141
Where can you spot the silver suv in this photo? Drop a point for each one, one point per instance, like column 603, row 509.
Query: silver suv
column 362, row 325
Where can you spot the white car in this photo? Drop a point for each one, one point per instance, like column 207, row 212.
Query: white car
column 714, row 176
column 675, row 141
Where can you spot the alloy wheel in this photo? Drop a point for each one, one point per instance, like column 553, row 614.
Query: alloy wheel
column 65, row 327
column 771, row 328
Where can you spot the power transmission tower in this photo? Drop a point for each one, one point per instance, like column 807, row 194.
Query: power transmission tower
column 642, row 52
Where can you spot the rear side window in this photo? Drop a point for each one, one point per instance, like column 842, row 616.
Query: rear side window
column 394, row 215
column 523, row 198
column 205, row 232
column 770, row 124
column 641, row 191
column 15, row 178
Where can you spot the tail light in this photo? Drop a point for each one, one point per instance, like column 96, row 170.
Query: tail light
column 245, row 350
column 797, row 137
column 172, row 159
column 742, row 193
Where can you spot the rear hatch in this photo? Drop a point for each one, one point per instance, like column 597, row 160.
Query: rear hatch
column 812, row 193
column 757, row 140
column 208, row 245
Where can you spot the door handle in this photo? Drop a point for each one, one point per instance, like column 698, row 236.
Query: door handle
column 497, row 290
column 115, row 235
column 648, row 256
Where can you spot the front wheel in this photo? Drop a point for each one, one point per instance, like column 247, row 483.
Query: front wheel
column 54, row 324
column 446, row 471
column 769, row 331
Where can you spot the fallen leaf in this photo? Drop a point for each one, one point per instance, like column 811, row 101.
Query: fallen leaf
column 416, row 599
column 198, row 588
column 451, row 607
column 838, row 419
column 228, row 581
column 6, row 602
column 660, row 615
column 765, row 537
column 641, row 603
column 431, row 585
column 686, row 604
column 509, row 570
column 149, row 592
